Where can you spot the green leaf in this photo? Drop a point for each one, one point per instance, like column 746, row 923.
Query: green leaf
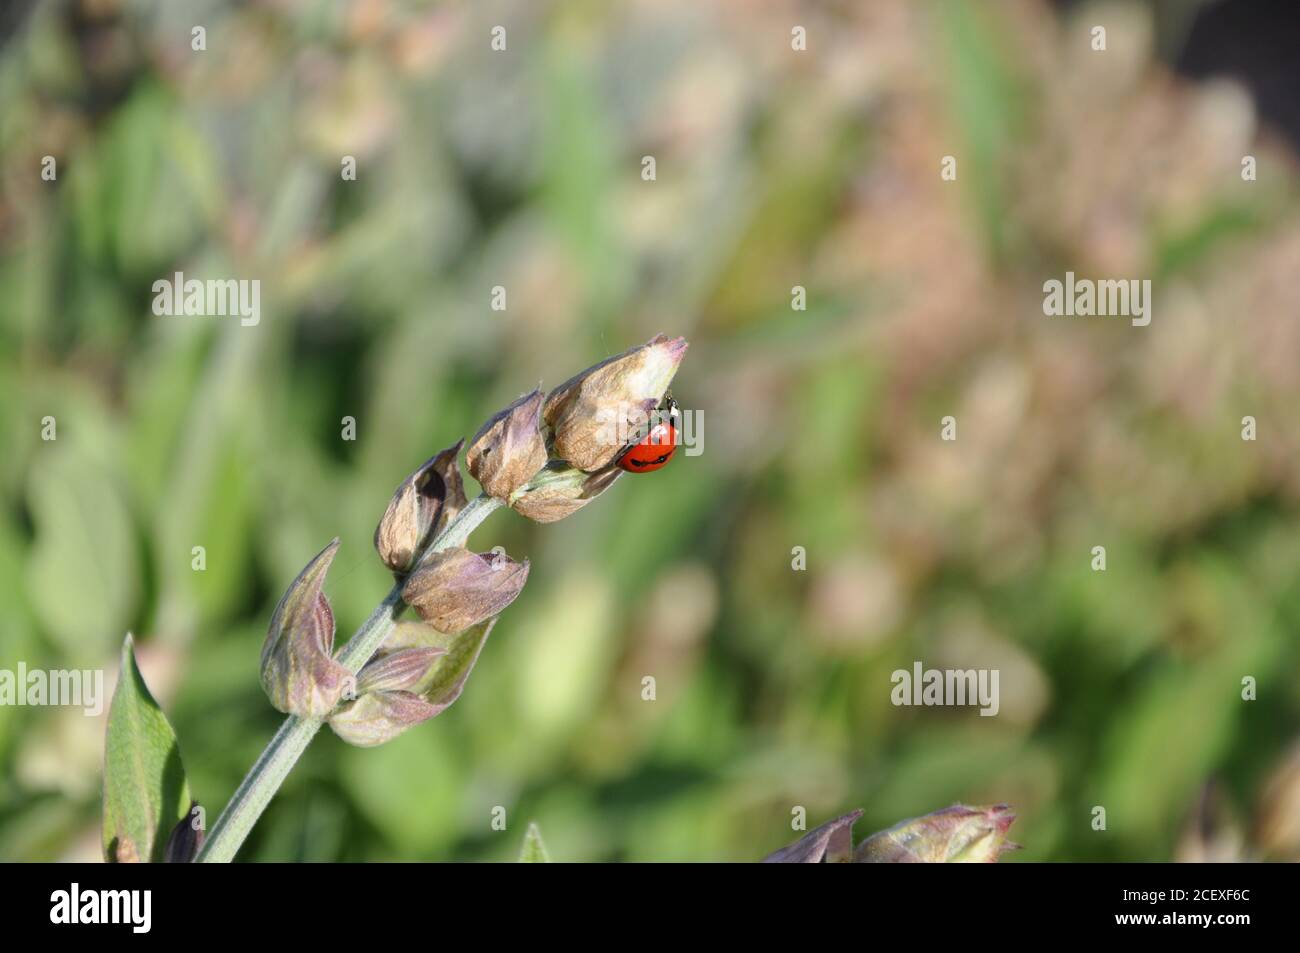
column 83, row 573
column 145, row 793
column 533, row 851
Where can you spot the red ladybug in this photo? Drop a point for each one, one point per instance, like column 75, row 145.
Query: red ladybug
column 657, row 447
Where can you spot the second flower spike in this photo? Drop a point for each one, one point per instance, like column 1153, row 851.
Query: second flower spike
column 298, row 669
column 456, row 589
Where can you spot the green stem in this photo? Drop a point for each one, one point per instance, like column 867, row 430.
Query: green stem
column 277, row 760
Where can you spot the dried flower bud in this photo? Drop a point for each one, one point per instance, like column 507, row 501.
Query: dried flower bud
column 593, row 414
column 509, row 448
column 456, row 588
column 832, row 842
column 424, row 503
column 298, row 670
column 559, row 490
column 954, row 835
column 382, row 714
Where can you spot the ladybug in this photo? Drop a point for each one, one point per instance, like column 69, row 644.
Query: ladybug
column 657, row 447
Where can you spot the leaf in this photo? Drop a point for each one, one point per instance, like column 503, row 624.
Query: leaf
column 145, row 794
column 533, row 851
column 83, row 574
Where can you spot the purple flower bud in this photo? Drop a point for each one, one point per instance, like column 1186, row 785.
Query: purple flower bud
column 592, row 414
column 509, row 448
column 421, row 506
column 298, row 669
column 185, row 840
column 383, row 712
column 954, row 835
column 832, row 842
column 456, row 589
column 379, row 716
column 559, row 490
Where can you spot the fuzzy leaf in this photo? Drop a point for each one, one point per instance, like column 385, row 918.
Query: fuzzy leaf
column 145, row 794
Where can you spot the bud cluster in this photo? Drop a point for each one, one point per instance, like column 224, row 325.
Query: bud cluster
column 543, row 457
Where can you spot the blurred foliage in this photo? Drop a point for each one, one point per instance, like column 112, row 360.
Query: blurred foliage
column 775, row 168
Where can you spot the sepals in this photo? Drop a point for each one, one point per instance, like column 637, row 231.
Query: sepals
column 592, row 414
column 831, row 843
column 954, row 835
column 299, row 673
column 421, row 506
column 383, row 713
column 509, row 449
column 456, row 589
column 560, row 490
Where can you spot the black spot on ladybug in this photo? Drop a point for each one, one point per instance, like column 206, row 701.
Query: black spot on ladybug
column 648, row 463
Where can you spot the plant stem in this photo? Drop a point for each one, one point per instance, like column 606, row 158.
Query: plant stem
column 282, row 753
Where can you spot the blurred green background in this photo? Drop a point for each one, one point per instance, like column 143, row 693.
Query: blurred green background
column 775, row 168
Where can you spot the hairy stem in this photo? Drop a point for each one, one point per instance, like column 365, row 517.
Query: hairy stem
column 277, row 760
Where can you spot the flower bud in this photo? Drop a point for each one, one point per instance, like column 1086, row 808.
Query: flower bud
column 954, row 835
column 559, row 490
column 379, row 716
column 593, row 414
column 456, row 589
column 298, row 669
column 832, row 842
column 509, row 448
column 384, row 712
column 424, row 503
column 185, row 840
